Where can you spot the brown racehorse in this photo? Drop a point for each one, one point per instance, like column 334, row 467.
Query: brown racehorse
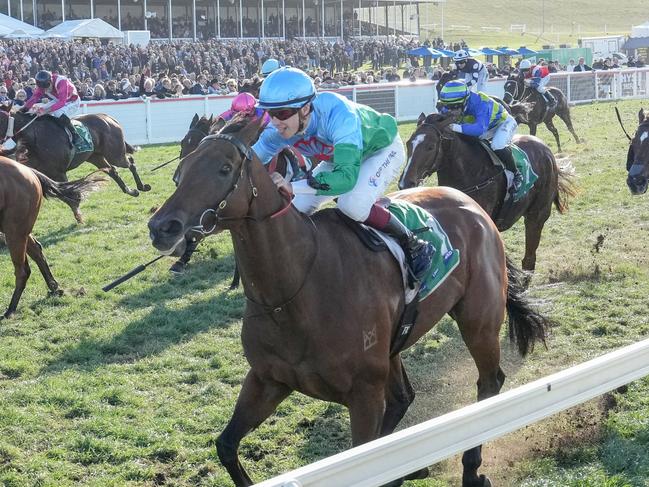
column 21, row 193
column 460, row 162
column 321, row 309
column 637, row 163
column 43, row 145
column 528, row 108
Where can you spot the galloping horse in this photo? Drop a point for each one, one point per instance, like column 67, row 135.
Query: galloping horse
column 530, row 109
column 322, row 310
column 462, row 163
column 21, row 193
column 43, row 145
column 637, row 163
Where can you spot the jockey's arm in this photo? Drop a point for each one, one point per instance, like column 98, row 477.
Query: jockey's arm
column 64, row 91
column 344, row 128
column 481, row 123
column 36, row 97
column 268, row 145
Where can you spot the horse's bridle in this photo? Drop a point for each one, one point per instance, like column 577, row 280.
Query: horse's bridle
column 442, row 137
column 247, row 152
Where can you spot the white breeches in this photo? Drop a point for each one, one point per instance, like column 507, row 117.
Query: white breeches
column 501, row 135
column 376, row 173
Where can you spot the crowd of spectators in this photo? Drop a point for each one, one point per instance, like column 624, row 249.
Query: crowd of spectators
column 217, row 66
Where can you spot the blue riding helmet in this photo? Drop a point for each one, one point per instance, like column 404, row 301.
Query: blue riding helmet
column 269, row 66
column 286, row 88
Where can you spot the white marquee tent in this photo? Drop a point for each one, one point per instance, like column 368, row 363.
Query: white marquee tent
column 14, row 28
column 95, row 28
column 641, row 30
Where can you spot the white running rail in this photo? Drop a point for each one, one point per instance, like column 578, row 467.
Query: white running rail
column 396, row 455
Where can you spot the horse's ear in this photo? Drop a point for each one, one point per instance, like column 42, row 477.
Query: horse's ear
column 641, row 115
column 5, row 107
column 211, row 119
column 420, row 120
column 251, row 132
column 194, row 121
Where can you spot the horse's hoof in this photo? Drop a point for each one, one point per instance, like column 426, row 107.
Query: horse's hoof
column 134, row 193
column 55, row 293
column 418, row 475
column 146, row 187
column 178, row 268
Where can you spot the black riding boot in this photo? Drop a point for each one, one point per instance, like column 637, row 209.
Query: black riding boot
column 507, row 158
column 550, row 100
column 419, row 253
column 66, row 123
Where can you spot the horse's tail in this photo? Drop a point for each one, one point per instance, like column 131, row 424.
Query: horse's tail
column 69, row 192
column 566, row 186
column 526, row 326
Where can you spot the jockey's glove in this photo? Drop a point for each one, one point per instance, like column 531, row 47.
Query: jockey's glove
column 314, row 183
column 456, row 127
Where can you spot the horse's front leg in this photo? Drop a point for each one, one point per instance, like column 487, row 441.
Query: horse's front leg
column 257, row 400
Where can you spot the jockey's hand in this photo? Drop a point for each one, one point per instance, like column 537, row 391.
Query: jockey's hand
column 456, row 127
column 41, row 111
column 281, row 183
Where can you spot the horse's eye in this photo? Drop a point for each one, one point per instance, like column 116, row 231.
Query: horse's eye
column 226, row 169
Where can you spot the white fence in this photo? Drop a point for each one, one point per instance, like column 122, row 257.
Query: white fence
column 396, row 455
column 153, row 121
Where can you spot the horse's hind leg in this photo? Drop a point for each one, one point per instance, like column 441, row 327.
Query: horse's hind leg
column 480, row 327
column 35, row 251
column 565, row 116
column 18, row 252
column 257, row 400
column 534, row 223
column 550, row 125
column 138, row 181
column 399, row 394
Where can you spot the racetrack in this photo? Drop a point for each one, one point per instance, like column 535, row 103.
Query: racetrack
column 131, row 387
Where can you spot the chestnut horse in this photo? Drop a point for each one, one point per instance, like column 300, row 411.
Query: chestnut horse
column 462, row 163
column 637, row 162
column 321, row 309
column 528, row 107
column 44, row 145
column 21, row 193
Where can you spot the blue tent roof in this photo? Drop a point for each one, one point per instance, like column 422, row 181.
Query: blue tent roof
column 424, row 51
column 508, row 51
column 446, row 52
column 487, row 51
column 524, row 51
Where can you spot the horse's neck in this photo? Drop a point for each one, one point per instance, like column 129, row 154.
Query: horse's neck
column 273, row 254
column 463, row 165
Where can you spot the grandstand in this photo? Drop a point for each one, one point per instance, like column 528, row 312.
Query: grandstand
column 204, row 19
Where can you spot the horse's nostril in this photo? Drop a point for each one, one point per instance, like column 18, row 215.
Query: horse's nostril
column 171, row 227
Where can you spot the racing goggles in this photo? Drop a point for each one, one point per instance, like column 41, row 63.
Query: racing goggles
column 282, row 113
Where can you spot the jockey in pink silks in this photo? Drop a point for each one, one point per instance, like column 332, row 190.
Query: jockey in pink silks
column 63, row 101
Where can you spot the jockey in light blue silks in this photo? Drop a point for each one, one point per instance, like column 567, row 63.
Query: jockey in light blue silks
column 360, row 151
column 483, row 117
column 475, row 73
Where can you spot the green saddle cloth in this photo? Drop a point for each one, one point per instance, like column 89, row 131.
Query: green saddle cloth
column 426, row 227
column 524, row 166
column 86, row 144
column 522, row 163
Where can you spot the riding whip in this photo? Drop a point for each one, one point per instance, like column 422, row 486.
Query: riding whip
column 132, row 273
column 165, row 163
column 617, row 112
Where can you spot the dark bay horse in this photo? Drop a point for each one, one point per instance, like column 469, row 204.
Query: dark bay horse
column 637, row 162
column 528, row 107
column 43, row 145
column 320, row 320
column 462, row 163
column 21, row 194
